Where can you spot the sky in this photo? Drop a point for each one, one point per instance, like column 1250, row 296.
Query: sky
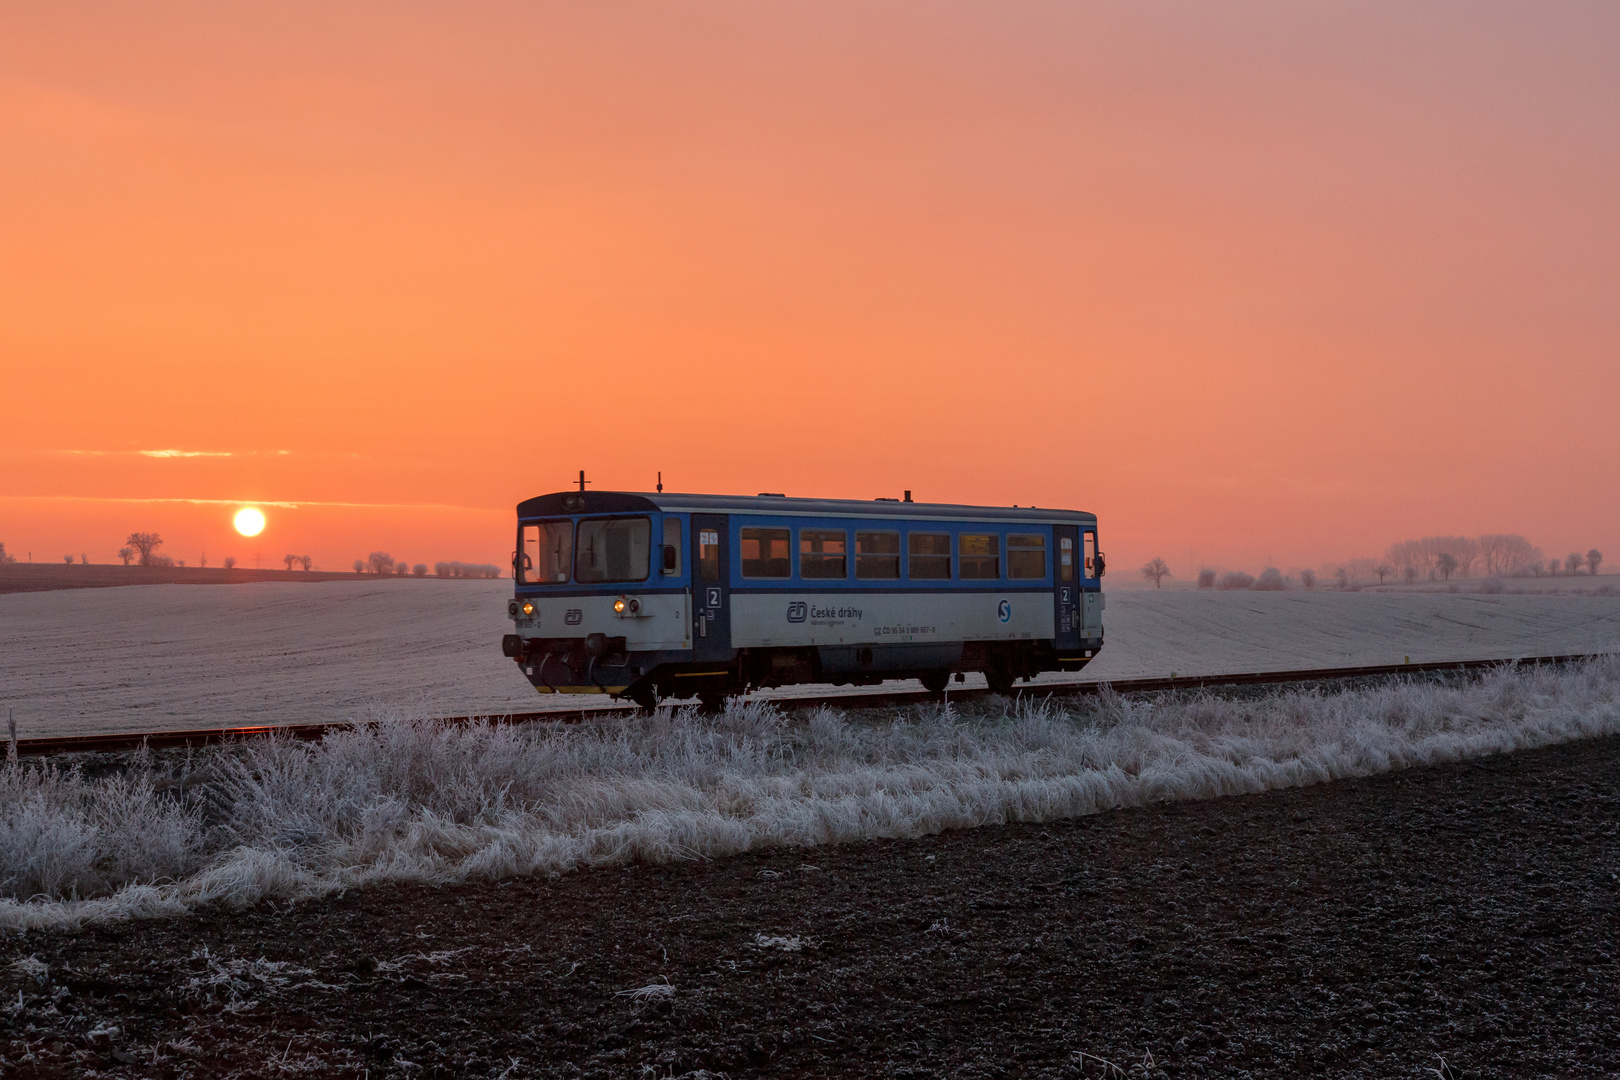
column 1257, row 283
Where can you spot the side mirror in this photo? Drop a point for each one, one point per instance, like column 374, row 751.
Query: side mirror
column 1102, row 565
column 671, row 558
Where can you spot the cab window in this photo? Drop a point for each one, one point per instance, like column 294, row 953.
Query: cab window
column 547, row 553
column 671, row 555
column 612, row 549
column 1090, row 541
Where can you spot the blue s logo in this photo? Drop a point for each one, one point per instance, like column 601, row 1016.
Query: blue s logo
column 796, row 611
column 1004, row 611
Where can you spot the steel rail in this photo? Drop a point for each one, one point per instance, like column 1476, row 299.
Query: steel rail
column 69, row 744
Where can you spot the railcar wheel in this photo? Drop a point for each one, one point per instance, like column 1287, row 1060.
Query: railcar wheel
column 644, row 696
column 711, row 702
column 1000, row 682
column 935, row 681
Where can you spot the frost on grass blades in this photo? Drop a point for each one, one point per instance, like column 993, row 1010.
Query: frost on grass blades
column 411, row 800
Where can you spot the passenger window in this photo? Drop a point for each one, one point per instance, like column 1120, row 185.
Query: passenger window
column 672, row 544
column 979, row 555
column 613, row 549
column 1090, row 541
column 709, row 554
column 877, row 555
column 548, row 552
column 822, row 554
column 765, row 553
column 930, row 556
column 1026, row 557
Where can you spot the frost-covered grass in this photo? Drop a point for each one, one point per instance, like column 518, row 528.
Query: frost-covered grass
column 412, row 800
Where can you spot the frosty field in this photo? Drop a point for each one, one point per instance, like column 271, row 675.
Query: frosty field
column 413, row 800
column 165, row 657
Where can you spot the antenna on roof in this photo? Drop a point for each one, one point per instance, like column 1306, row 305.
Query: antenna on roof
column 660, row 481
column 582, row 480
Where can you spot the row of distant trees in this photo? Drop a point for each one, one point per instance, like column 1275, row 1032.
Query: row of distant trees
column 1493, row 555
column 382, row 563
column 1436, row 558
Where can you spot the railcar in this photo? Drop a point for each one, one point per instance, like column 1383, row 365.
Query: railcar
column 657, row 595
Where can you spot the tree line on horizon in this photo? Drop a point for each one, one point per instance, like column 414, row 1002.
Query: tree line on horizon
column 383, row 564
column 1432, row 558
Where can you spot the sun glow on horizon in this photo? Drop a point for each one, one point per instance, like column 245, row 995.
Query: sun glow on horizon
column 249, row 521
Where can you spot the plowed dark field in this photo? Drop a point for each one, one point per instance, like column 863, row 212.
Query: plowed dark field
column 1455, row 921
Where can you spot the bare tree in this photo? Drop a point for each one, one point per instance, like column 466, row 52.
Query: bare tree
column 1572, row 563
column 229, row 563
column 68, row 559
column 1383, row 570
column 1446, row 563
column 1411, row 574
column 84, row 560
column 380, row 562
column 288, row 560
column 420, row 569
column 359, row 566
column 1342, row 576
column 1307, row 578
column 1156, row 571
column 4, row 558
column 202, row 560
column 306, row 562
column 144, row 544
column 1553, row 566
column 1206, row 579
column 1594, row 559
column 402, row 568
column 126, row 553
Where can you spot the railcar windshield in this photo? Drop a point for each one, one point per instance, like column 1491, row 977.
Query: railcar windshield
column 547, row 552
column 613, row 549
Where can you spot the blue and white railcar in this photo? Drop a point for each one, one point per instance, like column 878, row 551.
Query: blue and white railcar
column 664, row 595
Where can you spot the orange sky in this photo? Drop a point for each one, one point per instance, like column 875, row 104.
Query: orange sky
column 1250, row 281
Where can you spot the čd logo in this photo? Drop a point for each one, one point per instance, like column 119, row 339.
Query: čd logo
column 796, row 611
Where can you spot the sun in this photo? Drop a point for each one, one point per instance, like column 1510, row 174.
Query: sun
column 249, row 522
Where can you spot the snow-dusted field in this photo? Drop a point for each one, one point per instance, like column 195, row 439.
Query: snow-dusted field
column 414, row 800
column 162, row 657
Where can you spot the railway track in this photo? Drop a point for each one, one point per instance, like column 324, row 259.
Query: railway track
column 70, row 744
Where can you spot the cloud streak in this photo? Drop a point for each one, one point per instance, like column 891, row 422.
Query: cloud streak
column 280, row 504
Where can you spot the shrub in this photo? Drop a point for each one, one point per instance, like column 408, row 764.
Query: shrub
column 229, row 563
column 420, row 569
column 1270, row 580
column 1307, row 578
column 1206, row 579
column 466, row 570
column 306, row 562
column 1237, row 579
column 359, row 566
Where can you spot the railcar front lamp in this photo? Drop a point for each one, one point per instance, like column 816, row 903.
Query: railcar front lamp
column 527, row 609
column 627, row 607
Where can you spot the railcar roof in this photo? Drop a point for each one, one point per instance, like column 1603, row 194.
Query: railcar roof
column 624, row 502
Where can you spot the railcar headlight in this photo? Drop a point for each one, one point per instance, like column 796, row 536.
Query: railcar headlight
column 619, row 605
column 527, row 609
column 627, row 607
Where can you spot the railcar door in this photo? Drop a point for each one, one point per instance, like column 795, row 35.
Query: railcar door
column 711, row 580
column 1066, row 575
